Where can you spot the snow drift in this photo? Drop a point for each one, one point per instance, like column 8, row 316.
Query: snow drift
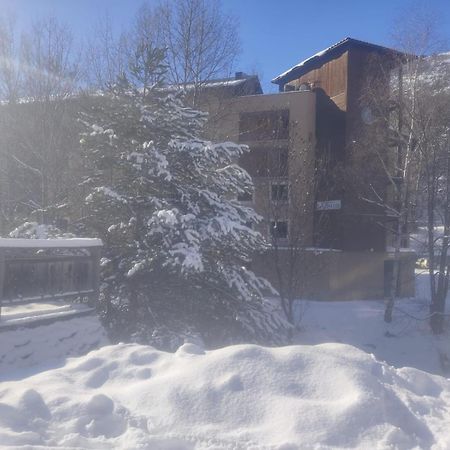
column 239, row 397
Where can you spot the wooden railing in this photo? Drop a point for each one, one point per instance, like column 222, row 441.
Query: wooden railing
column 34, row 270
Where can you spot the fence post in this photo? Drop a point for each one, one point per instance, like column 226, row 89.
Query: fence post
column 2, row 278
column 95, row 255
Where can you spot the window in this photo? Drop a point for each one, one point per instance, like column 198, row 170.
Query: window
column 264, row 125
column 265, row 162
column 279, row 229
column 279, row 192
column 278, row 162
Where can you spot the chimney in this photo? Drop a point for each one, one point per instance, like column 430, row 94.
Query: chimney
column 239, row 75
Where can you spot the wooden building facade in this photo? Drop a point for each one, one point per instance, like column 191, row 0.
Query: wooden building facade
column 349, row 170
column 314, row 170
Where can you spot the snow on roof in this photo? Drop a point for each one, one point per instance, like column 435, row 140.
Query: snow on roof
column 225, row 82
column 49, row 243
column 303, row 63
column 322, row 53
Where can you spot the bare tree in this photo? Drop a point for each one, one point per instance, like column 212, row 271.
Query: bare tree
column 288, row 205
column 39, row 134
column 50, row 61
column 392, row 100
column 419, row 132
column 106, row 55
column 201, row 40
column 10, row 73
column 277, row 163
column 434, row 147
column 402, row 133
column 10, row 77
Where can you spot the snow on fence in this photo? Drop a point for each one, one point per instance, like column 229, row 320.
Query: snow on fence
column 41, row 270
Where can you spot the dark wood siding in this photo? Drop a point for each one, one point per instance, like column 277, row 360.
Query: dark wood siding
column 331, row 77
column 345, row 168
column 364, row 223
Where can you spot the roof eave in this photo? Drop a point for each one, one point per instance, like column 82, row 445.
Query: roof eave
column 321, row 57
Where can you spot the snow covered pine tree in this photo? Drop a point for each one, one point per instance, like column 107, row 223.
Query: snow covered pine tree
column 177, row 242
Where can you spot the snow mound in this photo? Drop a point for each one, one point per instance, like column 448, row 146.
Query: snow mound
column 238, row 397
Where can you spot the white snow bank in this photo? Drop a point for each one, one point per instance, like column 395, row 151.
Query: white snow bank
column 49, row 243
column 239, row 397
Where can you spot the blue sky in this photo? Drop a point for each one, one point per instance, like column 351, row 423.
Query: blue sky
column 275, row 35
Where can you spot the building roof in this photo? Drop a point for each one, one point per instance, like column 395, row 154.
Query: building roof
column 240, row 84
column 319, row 58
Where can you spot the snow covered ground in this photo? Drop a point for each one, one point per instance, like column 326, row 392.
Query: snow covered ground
column 407, row 342
column 239, row 397
column 30, row 350
column 27, row 313
column 333, row 390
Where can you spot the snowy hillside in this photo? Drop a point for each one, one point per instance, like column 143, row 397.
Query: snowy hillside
column 436, row 71
column 239, row 397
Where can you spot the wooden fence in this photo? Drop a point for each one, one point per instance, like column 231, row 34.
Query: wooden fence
column 34, row 270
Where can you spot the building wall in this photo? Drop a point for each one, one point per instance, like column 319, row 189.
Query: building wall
column 368, row 178
column 353, row 171
column 322, row 274
column 298, row 108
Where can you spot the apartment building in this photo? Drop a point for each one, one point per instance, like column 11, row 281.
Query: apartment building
column 314, row 172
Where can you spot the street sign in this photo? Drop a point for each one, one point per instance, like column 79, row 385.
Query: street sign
column 328, row 205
